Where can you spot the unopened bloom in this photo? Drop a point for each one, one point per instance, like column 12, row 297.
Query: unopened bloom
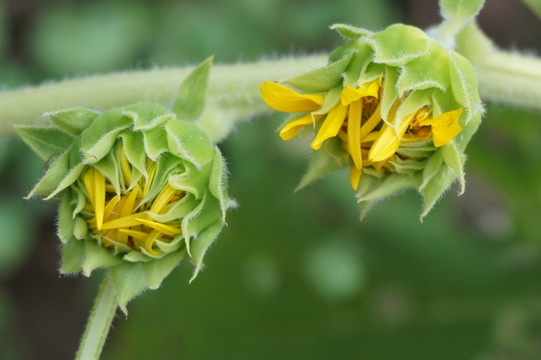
column 390, row 105
column 140, row 186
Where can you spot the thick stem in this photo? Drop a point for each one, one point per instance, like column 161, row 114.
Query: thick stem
column 504, row 77
column 98, row 323
column 233, row 91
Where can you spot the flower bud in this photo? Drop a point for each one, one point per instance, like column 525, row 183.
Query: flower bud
column 140, row 186
column 394, row 106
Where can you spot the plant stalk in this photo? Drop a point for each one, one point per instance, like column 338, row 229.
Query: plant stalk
column 98, row 323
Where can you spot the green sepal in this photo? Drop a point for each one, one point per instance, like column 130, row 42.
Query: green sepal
column 322, row 79
column 190, row 102
column 155, row 142
column 54, row 175
column 350, row 32
column 209, row 214
column 343, row 51
column 146, row 115
column 97, row 256
column 165, row 165
column 109, row 168
column 135, row 153
column 129, row 280
column 218, row 183
column 191, row 181
column 157, row 270
column 427, row 72
column 80, row 228
column 329, row 158
column 65, row 219
column 436, row 187
column 188, row 142
column 391, row 185
column 463, row 10
column 46, row 142
column 408, row 166
column 331, row 99
column 72, row 120
column 98, row 139
column 433, row 166
column 455, row 160
column 69, row 178
column 398, row 44
column 415, row 101
column 202, row 243
column 73, row 253
column 178, row 210
column 357, row 66
column 390, row 94
column 464, row 85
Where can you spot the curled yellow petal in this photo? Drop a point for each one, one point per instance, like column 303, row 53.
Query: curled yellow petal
column 331, row 126
column 350, row 94
column 354, row 133
column 289, row 131
column 354, row 177
column 282, row 98
column 389, row 140
column 444, row 127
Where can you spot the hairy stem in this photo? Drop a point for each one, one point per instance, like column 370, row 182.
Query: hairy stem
column 98, row 323
column 504, row 77
column 233, row 92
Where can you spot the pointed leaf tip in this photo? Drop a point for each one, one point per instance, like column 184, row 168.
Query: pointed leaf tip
column 191, row 99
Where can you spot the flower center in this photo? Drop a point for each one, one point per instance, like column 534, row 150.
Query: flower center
column 125, row 218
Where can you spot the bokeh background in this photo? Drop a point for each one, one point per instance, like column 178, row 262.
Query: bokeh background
column 295, row 275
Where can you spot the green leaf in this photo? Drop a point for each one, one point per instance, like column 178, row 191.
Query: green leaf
column 158, row 269
column 460, row 9
column 129, row 280
column 134, row 149
column 73, row 252
column 322, row 79
column 349, row 31
column 44, row 141
column 329, row 158
column 188, row 142
column 191, row 99
column 73, row 120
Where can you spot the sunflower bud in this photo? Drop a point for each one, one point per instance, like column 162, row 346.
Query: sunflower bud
column 394, row 106
column 140, row 186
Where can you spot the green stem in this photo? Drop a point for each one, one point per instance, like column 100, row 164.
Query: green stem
column 233, row 92
column 98, row 323
column 504, row 77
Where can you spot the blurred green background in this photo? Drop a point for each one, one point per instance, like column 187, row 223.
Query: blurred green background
column 294, row 275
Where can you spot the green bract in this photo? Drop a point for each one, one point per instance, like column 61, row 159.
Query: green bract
column 394, row 106
column 139, row 185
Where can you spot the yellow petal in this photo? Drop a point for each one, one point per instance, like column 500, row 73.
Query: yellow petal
column 150, row 240
column 354, row 133
column 99, row 194
column 282, row 98
column 289, row 131
column 350, row 94
column 389, row 140
column 444, row 127
column 331, row 126
column 163, row 199
column 163, row 228
column 124, row 222
column 354, row 177
column 371, row 123
column 126, row 168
